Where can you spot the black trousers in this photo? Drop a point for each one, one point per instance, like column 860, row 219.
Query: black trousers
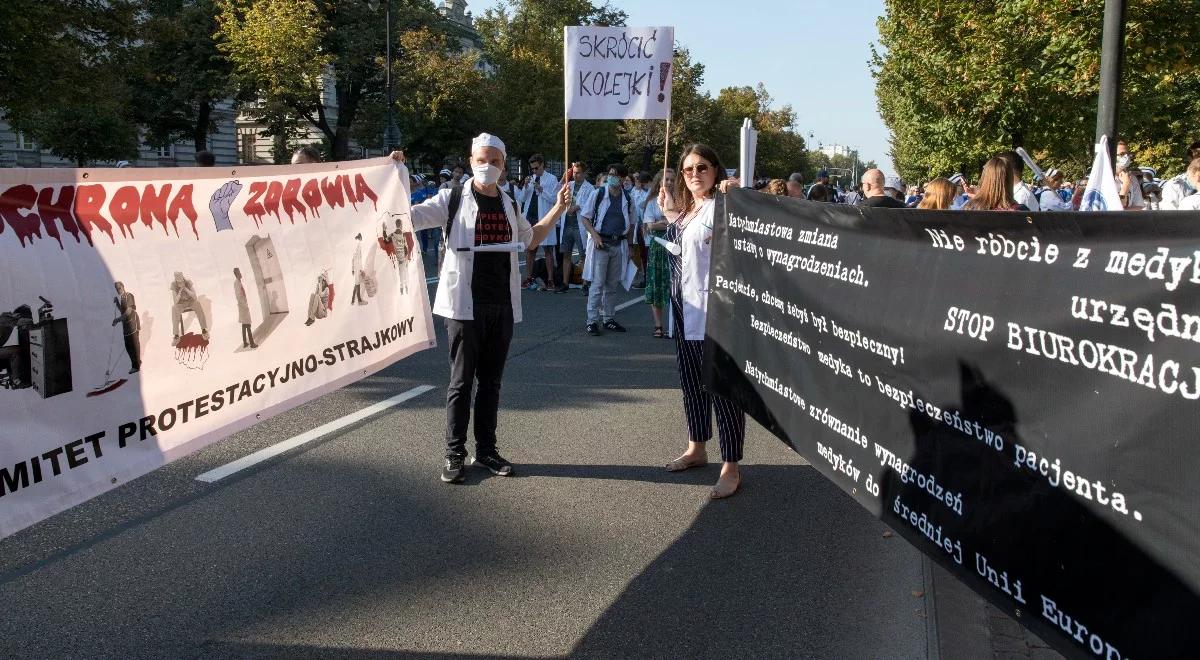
column 133, row 350
column 478, row 351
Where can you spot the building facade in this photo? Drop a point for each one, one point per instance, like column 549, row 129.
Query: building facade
column 18, row 150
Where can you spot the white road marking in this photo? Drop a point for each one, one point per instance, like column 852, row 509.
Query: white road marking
column 629, row 303
column 321, row 431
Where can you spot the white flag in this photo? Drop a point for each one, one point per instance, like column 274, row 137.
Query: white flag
column 1101, row 193
column 748, row 153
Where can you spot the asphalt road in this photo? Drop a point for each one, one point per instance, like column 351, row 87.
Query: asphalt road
column 351, row 547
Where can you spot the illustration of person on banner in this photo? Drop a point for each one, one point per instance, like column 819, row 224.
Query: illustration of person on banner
column 131, row 327
column 479, row 295
column 183, row 294
column 395, row 244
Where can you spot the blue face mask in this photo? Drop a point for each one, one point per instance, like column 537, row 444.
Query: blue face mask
column 613, row 182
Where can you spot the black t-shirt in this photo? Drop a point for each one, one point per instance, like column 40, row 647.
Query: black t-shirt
column 490, row 278
column 885, row 201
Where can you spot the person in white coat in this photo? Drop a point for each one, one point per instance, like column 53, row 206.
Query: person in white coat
column 573, row 236
column 1192, row 201
column 537, row 196
column 609, row 221
column 1048, row 199
column 1175, row 189
column 692, row 211
column 479, row 296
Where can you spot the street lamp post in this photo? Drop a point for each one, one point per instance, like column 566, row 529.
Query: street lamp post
column 391, row 134
column 1112, row 45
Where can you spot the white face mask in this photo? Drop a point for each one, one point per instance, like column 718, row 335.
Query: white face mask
column 486, row 174
column 1123, row 160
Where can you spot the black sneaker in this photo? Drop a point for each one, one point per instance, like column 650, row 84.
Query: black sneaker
column 612, row 324
column 453, row 471
column 593, row 329
column 495, row 463
column 562, row 288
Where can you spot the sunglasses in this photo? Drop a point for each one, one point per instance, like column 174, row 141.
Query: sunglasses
column 698, row 169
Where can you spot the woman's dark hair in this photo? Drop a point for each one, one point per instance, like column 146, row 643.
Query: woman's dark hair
column 619, row 169
column 683, row 196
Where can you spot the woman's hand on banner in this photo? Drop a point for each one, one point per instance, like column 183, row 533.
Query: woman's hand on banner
column 731, row 182
column 398, row 155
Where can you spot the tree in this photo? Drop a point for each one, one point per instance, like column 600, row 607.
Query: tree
column 443, row 92
column 297, row 56
column 957, row 81
column 781, row 150
column 694, row 114
column 83, row 110
column 179, row 74
column 523, row 42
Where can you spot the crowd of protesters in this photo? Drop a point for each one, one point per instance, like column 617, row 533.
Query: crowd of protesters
column 1007, row 184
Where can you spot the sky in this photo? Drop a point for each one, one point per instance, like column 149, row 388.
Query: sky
column 812, row 55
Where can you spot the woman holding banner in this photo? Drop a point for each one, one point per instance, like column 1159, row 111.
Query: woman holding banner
column 692, row 209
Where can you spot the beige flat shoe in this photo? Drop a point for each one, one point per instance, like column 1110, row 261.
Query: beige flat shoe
column 724, row 489
column 679, row 464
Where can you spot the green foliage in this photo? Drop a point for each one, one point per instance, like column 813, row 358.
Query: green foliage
column 298, row 56
column 957, row 81
column 781, row 150
column 62, row 64
column 178, row 74
column 441, row 92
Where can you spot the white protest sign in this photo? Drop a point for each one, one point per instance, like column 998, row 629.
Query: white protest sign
column 618, row 72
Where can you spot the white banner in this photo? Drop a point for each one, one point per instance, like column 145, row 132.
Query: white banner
column 618, row 72
column 146, row 313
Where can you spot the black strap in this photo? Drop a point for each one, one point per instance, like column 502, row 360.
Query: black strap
column 601, row 193
column 456, row 193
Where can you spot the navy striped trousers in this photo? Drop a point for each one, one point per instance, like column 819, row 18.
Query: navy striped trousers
column 698, row 403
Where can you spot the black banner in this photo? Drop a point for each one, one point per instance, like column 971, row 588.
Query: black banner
column 1017, row 394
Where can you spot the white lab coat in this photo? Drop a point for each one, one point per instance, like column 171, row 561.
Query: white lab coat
column 1050, row 201
column 453, row 299
column 583, row 199
column 1189, row 203
column 1174, row 191
column 546, row 201
column 695, row 260
column 586, row 212
column 1022, row 194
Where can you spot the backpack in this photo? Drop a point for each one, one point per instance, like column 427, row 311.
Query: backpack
column 600, row 198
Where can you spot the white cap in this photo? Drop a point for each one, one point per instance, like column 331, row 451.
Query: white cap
column 122, row 163
column 958, row 179
column 894, row 182
column 1050, row 173
column 489, row 140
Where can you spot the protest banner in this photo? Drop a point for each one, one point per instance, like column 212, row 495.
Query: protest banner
column 618, row 72
column 147, row 313
column 1016, row 394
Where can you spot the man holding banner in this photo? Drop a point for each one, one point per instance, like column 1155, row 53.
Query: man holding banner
column 479, row 295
